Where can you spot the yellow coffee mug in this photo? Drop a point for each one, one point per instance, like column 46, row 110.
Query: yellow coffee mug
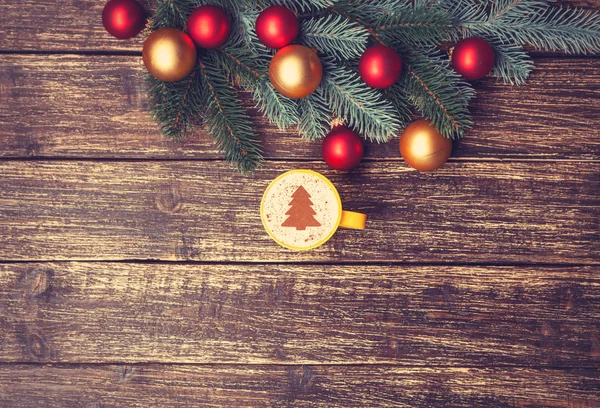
column 302, row 210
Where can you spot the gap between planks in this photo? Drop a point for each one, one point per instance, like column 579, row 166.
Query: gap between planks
column 303, row 263
column 499, row 366
column 278, row 160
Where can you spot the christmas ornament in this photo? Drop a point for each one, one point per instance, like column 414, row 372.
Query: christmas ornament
column 296, row 71
column 342, row 149
column 473, row 58
column 169, row 54
column 209, row 26
column 423, row 147
column 380, row 67
column 277, row 27
column 302, row 210
column 123, row 18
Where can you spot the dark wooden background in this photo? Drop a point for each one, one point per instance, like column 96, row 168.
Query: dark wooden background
column 136, row 272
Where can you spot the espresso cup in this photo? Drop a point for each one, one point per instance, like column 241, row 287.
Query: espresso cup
column 302, row 210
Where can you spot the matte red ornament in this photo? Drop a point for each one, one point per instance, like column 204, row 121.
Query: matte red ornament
column 277, row 27
column 343, row 149
column 380, row 67
column 209, row 26
column 473, row 58
column 123, row 18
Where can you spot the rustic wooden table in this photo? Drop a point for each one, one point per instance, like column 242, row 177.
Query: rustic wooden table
column 136, row 272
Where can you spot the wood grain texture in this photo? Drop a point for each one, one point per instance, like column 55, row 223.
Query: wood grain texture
column 307, row 386
column 265, row 314
column 76, row 25
column 95, row 107
column 466, row 212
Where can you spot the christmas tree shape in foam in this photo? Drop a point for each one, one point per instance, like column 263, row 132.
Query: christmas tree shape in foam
column 301, row 213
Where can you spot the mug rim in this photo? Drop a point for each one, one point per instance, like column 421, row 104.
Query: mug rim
column 333, row 230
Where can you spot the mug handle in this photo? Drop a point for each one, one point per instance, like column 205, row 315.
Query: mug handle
column 353, row 220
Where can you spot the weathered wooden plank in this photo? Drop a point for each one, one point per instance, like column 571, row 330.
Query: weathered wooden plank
column 94, row 106
column 285, row 386
column 76, row 25
column 263, row 314
column 466, row 212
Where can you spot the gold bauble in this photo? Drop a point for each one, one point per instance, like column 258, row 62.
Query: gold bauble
column 169, row 54
column 423, row 147
column 296, row 71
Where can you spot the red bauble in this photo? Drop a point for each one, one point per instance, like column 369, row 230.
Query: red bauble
column 343, row 149
column 123, row 18
column 473, row 58
column 209, row 26
column 277, row 27
column 380, row 67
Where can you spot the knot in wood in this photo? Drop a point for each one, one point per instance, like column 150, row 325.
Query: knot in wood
column 37, row 345
column 301, row 379
column 125, row 373
column 569, row 298
column 37, row 283
column 7, row 80
column 169, row 199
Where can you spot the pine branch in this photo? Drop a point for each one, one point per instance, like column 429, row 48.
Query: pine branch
column 369, row 13
column 175, row 106
column 364, row 108
column 314, row 116
column 417, row 26
column 438, row 92
column 396, row 22
column 280, row 110
column 396, row 95
column 171, row 13
column 237, row 64
column 251, row 74
column 226, row 120
column 532, row 22
column 335, row 36
column 513, row 65
column 299, row 6
column 569, row 30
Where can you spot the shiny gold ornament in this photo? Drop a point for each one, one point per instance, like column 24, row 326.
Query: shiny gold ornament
column 423, row 147
column 169, row 54
column 296, row 71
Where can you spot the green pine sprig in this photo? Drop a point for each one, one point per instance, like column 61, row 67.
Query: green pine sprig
column 513, row 64
column 225, row 120
column 439, row 94
column 315, row 115
column 334, row 36
column 363, row 108
column 171, row 13
column 416, row 26
column 535, row 23
column 173, row 106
